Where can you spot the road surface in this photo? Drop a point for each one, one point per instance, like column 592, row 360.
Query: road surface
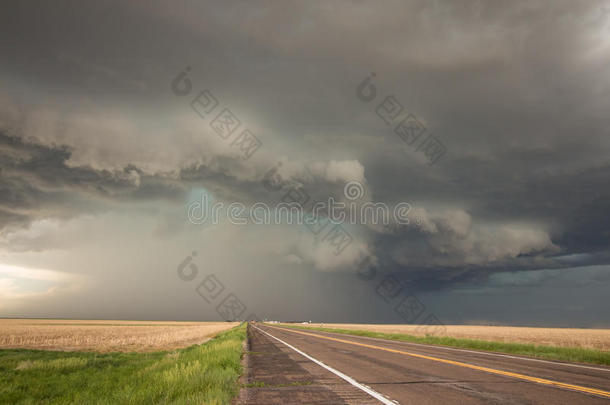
column 311, row 367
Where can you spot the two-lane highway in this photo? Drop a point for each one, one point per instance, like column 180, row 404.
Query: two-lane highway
column 410, row 373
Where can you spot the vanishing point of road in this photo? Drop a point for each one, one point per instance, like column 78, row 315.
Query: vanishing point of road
column 297, row 366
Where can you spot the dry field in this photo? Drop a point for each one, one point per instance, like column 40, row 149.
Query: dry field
column 584, row 338
column 105, row 336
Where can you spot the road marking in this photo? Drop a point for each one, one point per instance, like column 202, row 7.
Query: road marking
column 470, row 351
column 347, row 378
column 466, row 365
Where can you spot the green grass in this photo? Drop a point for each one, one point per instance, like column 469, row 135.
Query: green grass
column 201, row 374
column 569, row 354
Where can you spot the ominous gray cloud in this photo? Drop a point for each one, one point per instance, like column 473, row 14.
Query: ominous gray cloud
column 99, row 158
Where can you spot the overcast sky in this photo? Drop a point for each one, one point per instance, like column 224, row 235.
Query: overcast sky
column 102, row 154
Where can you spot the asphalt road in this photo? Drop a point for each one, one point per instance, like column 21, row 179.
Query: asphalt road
column 382, row 371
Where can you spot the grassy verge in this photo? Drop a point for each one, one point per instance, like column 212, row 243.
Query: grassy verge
column 203, row 374
column 570, row 354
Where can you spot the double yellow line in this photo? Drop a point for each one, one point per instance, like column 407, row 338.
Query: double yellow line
column 544, row 381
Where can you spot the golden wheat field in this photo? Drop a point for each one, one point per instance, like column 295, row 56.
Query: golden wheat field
column 585, row 338
column 105, row 336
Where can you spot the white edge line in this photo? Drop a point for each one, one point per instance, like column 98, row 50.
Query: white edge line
column 347, row 378
column 460, row 350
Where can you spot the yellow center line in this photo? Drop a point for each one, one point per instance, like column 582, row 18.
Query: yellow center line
column 458, row 363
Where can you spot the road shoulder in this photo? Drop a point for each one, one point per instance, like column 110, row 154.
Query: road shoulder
column 275, row 373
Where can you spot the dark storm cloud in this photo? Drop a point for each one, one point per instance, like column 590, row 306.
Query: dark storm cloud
column 517, row 91
column 36, row 183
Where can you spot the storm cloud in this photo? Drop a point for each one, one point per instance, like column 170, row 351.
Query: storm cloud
column 99, row 157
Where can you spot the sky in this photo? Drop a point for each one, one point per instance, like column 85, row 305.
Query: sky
column 486, row 121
